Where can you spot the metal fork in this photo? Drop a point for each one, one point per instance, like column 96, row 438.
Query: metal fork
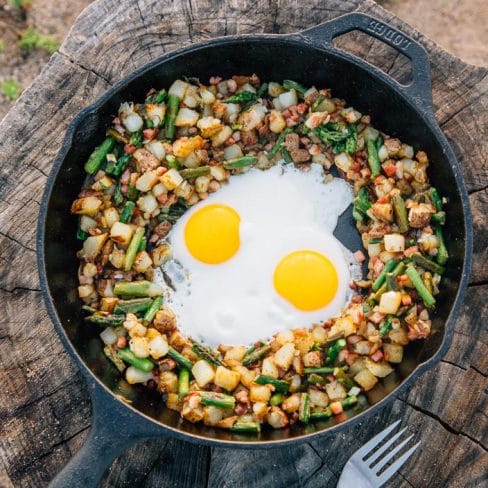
column 359, row 472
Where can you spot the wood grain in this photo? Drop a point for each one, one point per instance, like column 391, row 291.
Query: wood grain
column 44, row 405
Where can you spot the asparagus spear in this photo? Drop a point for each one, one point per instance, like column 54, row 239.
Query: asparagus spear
column 81, row 235
column 343, row 378
column 137, row 289
column 127, row 212
column 135, row 242
column 439, row 218
column 276, row 399
column 105, row 320
column 136, row 139
column 427, row 298
column 349, row 401
column 173, row 108
column 436, row 199
column 293, row 85
column 111, row 354
column 132, row 192
column 239, row 163
column 118, row 198
column 183, row 383
column 87, row 308
column 442, row 254
column 246, row 425
column 180, row 359
column 279, row 385
column 142, row 245
column 256, row 355
column 242, row 97
column 427, row 279
column 135, row 306
column 206, row 353
column 97, row 157
column 373, row 159
column 316, row 379
column 386, row 326
column 120, row 165
column 153, row 309
column 128, row 356
column 400, row 213
column 189, row 173
column 389, row 267
column 221, row 400
column 324, row 414
column 334, row 350
column 398, row 270
column 304, row 410
column 427, row 264
column 318, row 101
column 263, row 89
column 391, row 282
column 322, row 370
column 361, row 202
column 279, row 142
column 158, row 97
column 286, row 156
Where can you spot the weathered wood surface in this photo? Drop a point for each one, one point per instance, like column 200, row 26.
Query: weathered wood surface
column 44, row 406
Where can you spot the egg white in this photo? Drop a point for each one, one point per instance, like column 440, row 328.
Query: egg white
column 282, row 210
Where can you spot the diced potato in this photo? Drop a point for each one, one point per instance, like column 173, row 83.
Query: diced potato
column 145, row 159
column 121, row 233
column 343, row 161
column 318, row 398
column 260, row 409
column 161, row 254
column 186, row 117
column 277, row 418
column 232, row 152
column 288, row 99
column 235, row 353
column 111, row 216
column 269, row 368
column 304, row 342
column 168, row 382
column 226, row 379
column 379, row 369
column 203, row 373
column 285, row 336
column 394, row 242
column 390, row 302
column 152, row 333
column 117, row 258
column 139, row 346
column 259, row 393
column 171, row 179
column 209, row 126
column 319, row 334
column 147, row 180
column 155, row 112
column 86, row 206
column 183, row 146
column 313, row 359
column 206, row 95
column 201, row 183
column 133, row 122
column 335, row 391
column 393, row 353
column 247, row 376
column 192, row 414
column 275, row 89
column 212, row 415
column 93, row 245
column 374, row 249
column 251, row 118
column 365, row 379
column 343, row 326
column 284, row 356
column 218, row 173
column 87, row 223
column 399, row 336
column 84, row 291
column 221, row 136
column 90, row 270
column 173, row 402
column 134, row 375
column 142, row 262
column 184, row 190
column 159, row 189
column 178, row 88
column 147, row 203
column 292, row 403
column 277, row 122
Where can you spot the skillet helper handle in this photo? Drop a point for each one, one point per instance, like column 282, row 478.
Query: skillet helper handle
column 420, row 90
column 115, row 428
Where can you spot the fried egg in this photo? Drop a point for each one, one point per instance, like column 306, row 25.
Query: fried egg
column 259, row 256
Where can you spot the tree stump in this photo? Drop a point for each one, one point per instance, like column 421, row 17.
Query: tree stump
column 44, row 405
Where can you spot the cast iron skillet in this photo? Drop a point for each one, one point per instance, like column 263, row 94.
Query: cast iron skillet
column 309, row 57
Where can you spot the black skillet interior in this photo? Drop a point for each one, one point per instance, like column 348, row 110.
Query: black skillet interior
column 271, row 58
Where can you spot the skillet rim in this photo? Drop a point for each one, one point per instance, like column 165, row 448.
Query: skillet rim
column 301, row 39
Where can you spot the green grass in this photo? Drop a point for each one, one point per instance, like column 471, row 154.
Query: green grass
column 21, row 4
column 11, row 88
column 31, row 39
column 2, row 46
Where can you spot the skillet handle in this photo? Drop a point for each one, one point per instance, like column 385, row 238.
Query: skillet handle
column 114, row 429
column 420, row 90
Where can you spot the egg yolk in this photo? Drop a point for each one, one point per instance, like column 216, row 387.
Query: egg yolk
column 212, row 233
column 307, row 279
